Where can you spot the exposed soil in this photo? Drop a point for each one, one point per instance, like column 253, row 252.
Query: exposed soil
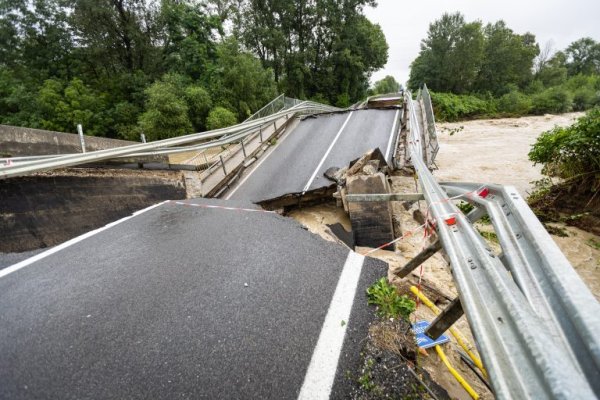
column 492, row 151
column 574, row 203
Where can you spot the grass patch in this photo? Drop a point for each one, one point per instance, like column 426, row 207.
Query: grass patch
column 593, row 243
column 389, row 303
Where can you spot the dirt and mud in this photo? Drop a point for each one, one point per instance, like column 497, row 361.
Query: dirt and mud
column 492, row 151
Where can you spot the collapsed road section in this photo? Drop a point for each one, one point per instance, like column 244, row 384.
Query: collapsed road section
column 186, row 299
column 315, row 145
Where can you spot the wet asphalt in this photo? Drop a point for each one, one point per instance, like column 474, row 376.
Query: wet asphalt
column 290, row 166
column 178, row 302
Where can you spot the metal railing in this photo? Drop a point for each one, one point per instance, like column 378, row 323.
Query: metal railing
column 279, row 103
column 433, row 145
column 192, row 142
column 534, row 320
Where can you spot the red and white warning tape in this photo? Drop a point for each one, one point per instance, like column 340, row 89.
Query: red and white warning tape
column 181, row 203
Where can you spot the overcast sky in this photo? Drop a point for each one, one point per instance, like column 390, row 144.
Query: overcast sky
column 405, row 23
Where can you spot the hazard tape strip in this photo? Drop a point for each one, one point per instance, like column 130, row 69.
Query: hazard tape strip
column 181, row 203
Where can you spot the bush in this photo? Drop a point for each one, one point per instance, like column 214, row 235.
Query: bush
column 166, row 112
column 389, row 303
column 199, row 104
column 220, row 117
column 514, row 103
column 554, row 100
column 452, row 107
column 584, row 98
column 572, row 152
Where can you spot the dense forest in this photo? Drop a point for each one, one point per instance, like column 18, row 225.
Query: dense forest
column 477, row 71
column 170, row 67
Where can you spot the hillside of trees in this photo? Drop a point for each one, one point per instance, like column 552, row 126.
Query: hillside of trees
column 170, row 67
column 486, row 71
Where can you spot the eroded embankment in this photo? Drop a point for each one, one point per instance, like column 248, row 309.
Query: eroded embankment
column 46, row 209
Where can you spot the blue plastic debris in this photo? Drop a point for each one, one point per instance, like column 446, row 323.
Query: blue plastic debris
column 424, row 341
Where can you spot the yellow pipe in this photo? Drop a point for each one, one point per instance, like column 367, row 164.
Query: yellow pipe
column 455, row 373
column 455, row 332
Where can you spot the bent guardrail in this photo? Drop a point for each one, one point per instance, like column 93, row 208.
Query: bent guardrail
column 532, row 317
column 165, row 146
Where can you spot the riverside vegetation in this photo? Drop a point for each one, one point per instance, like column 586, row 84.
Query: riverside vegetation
column 488, row 71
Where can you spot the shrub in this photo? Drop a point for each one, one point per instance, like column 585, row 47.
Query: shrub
column 553, row 100
column 514, row 103
column 220, row 117
column 571, row 152
column 584, row 98
column 389, row 303
column 199, row 104
column 452, row 107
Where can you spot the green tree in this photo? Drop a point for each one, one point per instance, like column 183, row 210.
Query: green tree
column 116, row 36
column 450, row 56
column 199, row 104
column 166, row 112
column 189, row 40
column 220, row 117
column 508, row 59
column 554, row 72
column 386, row 85
column 323, row 47
column 240, row 82
column 583, row 57
column 63, row 106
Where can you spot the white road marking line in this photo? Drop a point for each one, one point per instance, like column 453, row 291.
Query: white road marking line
column 312, row 178
column 258, row 165
column 389, row 146
column 56, row 249
column 320, row 375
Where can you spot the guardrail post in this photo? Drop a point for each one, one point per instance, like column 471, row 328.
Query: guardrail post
column 445, row 319
column 275, row 124
column 243, row 148
column 81, row 139
column 419, row 259
column 205, row 158
column 143, row 138
column 260, row 133
column 223, row 165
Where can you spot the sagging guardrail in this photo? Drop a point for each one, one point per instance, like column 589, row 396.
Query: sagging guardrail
column 534, row 320
column 192, row 142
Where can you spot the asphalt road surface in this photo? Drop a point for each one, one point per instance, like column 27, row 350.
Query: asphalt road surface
column 186, row 300
column 298, row 162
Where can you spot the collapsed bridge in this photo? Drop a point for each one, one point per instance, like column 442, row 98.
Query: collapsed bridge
column 533, row 318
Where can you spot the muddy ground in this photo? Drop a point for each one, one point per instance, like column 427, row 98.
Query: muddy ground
column 478, row 151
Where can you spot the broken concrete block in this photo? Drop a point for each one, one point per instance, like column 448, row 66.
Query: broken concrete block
column 371, row 168
column 371, row 221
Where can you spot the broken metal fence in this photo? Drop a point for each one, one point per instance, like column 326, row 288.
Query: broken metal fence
column 180, row 144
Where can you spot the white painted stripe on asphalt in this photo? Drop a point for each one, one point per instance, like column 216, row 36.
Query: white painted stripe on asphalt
column 56, row 249
column 312, row 178
column 258, row 165
column 320, row 375
column 389, row 146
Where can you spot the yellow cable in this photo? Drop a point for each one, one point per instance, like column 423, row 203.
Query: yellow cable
column 455, row 332
column 455, row 373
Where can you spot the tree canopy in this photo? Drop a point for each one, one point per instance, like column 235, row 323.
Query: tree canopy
column 385, row 85
column 461, row 57
column 122, row 67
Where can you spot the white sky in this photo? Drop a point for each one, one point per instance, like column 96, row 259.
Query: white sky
column 405, row 23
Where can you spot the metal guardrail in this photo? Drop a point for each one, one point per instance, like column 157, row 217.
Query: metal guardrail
column 427, row 107
column 535, row 322
column 196, row 141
